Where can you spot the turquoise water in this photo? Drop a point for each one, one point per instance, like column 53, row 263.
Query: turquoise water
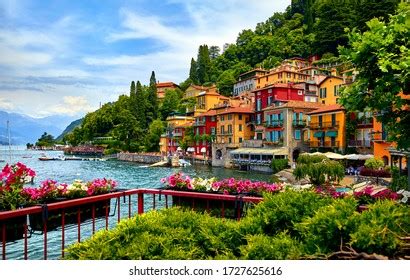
column 128, row 175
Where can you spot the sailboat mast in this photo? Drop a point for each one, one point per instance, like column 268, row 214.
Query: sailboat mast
column 8, row 132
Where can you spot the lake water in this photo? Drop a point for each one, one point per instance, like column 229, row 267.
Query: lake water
column 128, row 175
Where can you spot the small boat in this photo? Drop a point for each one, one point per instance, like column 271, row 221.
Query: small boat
column 27, row 156
column 44, row 157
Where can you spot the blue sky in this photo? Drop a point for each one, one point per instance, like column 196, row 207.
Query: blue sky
column 65, row 57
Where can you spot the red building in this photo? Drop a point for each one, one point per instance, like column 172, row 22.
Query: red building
column 273, row 94
column 204, row 131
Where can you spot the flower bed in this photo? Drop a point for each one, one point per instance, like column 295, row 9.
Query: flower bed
column 14, row 195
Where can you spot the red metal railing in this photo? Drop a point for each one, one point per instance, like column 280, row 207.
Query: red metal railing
column 141, row 204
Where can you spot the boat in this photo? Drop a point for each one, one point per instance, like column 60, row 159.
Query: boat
column 27, row 156
column 44, row 157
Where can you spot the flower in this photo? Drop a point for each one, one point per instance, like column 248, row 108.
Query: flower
column 178, row 181
column 370, row 194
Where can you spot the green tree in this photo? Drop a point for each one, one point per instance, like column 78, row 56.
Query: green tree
column 193, row 72
column 152, row 100
column 155, row 130
column 225, row 82
column 171, row 102
column 381, row 56
column 214, row 52
column 140, row 106
column 203, row 64
column 46, row 140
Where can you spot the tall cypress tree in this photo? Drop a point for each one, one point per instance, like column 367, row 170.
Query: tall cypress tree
column 152, row 99
column 140, row 106
column 193, row 71
column 203, row 64
column 132, row 98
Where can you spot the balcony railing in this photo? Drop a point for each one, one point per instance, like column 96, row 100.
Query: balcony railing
column 225, row 133
column 317, row 125
column 299, row 123
column 365, row 122
column 379, row 136
column 252, row 162
column 199, row 123
column 127, row 203
column 325, row 144
column 359, row 143
column 276, row 143
column 274, row 124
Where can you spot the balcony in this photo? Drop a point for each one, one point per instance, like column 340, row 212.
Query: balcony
column 359, row 143
column 325, row 144
column 225, row 133
column 177, row 134
column 379, row 136
column 199, row 123
column 318, row 125
column 274, row 124
column 365, row 122
column 274, row 143
column 299, row 123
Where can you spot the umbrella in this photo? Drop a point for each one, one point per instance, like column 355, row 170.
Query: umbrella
column 334, row 155
column 179, row 149
column 203, row 150
column 352, row 157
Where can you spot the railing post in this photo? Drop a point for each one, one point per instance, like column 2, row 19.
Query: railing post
column 140, row 203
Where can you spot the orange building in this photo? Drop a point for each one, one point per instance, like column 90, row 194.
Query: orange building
column 162, row 87
column 329, row 90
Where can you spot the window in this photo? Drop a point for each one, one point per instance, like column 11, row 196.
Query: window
column 230, row 140
column 266, row 78
column 240, row 127
column 222, row 118
column 240, row 117
column 240, row 139
column 333, row 119
column 258, row 104
column 300, row 92
column 222, row 129
column 270, row 100
column 288, row 75
column 337, row 90
column 297, row 134
column 229, row 128
column 270, row 90
column 322, row 92
column 212, row 118
column 280, row 76
column 213, row 129
column 229, row 117
column 258, row 119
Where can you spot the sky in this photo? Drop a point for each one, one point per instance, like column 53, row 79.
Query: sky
column 67, row 57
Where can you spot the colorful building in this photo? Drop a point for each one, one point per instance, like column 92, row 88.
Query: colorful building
column 277, row 93
column 327, row 128
column 206, row 100
column 162, row 87
column 286, row 126
column 205, row 127
column 232, row 125
column 361, row 139
column 175, row 132
column 329, row 90
column 247, row 81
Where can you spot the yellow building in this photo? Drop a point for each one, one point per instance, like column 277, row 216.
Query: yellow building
column 232, row 125
column 329, row 90
column 207, row 100
column 194, row 90
column 327, row 128
column 169, row 141
column 282, row 75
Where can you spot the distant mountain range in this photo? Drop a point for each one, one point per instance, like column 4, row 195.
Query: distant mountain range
column 25, row 129
column 70, row 128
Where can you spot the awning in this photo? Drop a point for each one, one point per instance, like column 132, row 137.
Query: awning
column 332, row 133
column 260, row 151
column 334, row 155
column 319, row 134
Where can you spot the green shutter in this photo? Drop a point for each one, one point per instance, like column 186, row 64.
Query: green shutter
column 331, row 133
column 319, row 134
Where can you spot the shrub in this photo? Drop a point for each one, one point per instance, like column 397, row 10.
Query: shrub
column 378, row 229
column 278, row 247
column 329, row 227
column 318, row 169
column 279, row 164
column 280, row 211
column 374, row 163
column 398, row 181
column 375, row 173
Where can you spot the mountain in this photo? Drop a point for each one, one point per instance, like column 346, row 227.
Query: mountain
column 25, row 129
column 70, row 128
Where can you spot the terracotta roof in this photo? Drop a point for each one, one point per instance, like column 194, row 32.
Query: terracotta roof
column 166, row 84
column 244, row 110
column 278, row 85
column 254, row 70
column 296, row 104
column 327, row 108
column 211, row 112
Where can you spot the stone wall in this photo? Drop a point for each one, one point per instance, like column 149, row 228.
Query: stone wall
column 141, row 158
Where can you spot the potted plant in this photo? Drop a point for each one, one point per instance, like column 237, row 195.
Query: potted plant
column 12, row 180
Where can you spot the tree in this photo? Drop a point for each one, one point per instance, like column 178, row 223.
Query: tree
column 225, row 82
column 381, row 56
column 171, row 102
column 203, row 64
column 214, row 52
column 152, row 100
column 46, row 140
column 140, row 106
column 193, row 72
column 155, row 130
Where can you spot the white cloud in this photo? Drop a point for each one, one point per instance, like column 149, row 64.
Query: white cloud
column 6, row 104
column 72, row 105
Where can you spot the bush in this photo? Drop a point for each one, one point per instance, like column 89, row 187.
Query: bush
column 378, row 229
column 279, row 164
column 318, row 169
column 280, row 211
column 374, row 163
column 375, row 173
column 329, row 227
column 399, row 182
column 279, row 247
